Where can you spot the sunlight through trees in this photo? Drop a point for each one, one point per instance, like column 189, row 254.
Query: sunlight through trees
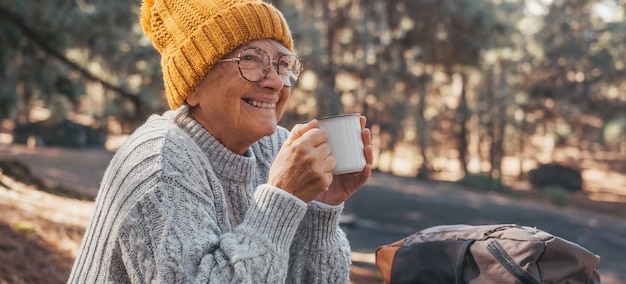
column 450, row 88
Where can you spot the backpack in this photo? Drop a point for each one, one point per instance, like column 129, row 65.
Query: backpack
column 486, row 254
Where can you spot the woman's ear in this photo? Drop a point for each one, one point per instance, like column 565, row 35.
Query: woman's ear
column 192, row 99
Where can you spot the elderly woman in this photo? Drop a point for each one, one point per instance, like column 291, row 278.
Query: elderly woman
column 214, row 190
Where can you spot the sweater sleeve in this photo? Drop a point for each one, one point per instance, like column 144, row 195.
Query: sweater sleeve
column 320, row 252
column 172, row 236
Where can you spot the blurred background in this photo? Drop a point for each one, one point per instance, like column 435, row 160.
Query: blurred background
column 451, row 89
column 494, row 94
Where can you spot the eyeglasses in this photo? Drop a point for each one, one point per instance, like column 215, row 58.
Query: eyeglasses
column 254, row 64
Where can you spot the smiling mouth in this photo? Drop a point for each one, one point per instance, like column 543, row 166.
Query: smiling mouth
column 259, row 104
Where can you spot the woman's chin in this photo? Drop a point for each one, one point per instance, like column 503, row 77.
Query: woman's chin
column 267, row 130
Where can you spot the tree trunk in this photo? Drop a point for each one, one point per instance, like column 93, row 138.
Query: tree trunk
column 24, row 91
column 462, row 118
column 521, row 145
column 499, row 125
column 491, row 99
column 328, row 100
column 424, row 170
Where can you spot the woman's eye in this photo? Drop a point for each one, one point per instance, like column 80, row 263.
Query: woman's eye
column 284, row 63
column 248, row 58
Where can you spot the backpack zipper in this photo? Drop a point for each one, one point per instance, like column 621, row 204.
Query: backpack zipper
column 500, row 254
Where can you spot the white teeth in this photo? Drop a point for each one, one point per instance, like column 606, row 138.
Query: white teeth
column 262, row 104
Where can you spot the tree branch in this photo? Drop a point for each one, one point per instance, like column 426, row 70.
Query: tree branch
column 37, row 39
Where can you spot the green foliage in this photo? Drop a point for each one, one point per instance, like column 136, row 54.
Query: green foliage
column 555, row 194
column 615, row 131
column 26, row 227
column 582, row 55
column 484, row 182
column 394, row 61
column 64, row 48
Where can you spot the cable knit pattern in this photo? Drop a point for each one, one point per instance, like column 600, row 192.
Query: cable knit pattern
column 176, row 206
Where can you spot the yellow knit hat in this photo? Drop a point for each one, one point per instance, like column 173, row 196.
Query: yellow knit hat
column 192, row 35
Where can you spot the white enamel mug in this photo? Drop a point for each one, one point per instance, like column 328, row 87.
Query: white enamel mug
column 346, row 144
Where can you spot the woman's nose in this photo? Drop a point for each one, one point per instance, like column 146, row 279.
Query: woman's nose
column 272, row 79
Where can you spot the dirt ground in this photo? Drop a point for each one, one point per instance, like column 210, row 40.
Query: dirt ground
column 40, row 233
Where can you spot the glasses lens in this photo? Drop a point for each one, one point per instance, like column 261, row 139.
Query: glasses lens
column 253, row 64
column 289, row 68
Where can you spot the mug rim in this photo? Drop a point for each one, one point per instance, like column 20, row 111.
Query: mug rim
column 339, row 115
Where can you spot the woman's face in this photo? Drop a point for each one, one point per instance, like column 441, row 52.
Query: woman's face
column 238, row 112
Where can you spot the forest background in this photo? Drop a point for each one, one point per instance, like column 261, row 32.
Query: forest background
column 476, row 91
column 453, row 89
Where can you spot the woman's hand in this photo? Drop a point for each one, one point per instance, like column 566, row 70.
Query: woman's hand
column 343, row 186
column 304, row 165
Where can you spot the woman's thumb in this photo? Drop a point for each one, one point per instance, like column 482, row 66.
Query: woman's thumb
column 299, row 129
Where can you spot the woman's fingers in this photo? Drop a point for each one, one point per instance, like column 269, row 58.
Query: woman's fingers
column 304, row 164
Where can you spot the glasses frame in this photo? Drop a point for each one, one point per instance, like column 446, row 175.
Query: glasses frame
column 285, row 78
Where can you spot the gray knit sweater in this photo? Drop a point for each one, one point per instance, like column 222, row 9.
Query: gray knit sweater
column 176, row 206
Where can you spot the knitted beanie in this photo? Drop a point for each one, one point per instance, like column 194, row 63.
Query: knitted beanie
column 192, row 35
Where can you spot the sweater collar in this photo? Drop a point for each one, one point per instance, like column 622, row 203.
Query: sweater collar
column 225, row 162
